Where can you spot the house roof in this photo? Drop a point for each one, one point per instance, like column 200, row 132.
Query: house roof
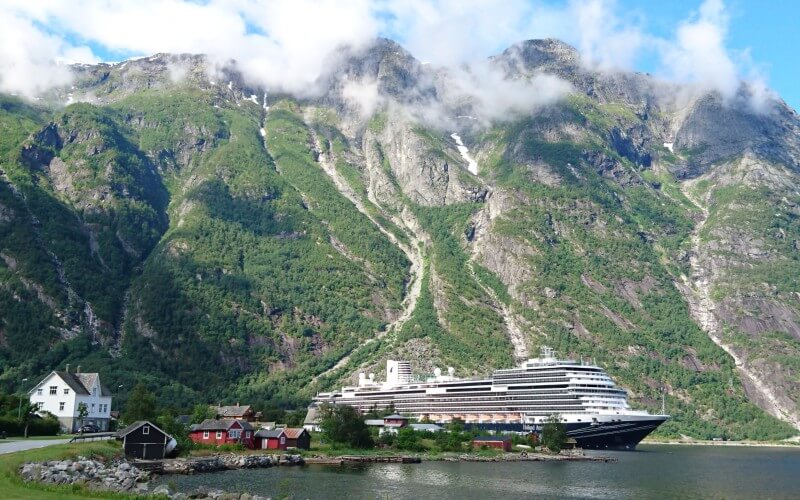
column 78, row 382
column 425, row 427
column 311, row 416
column 395, row 417
column 294, row 432
column 270, row 433
column 211, row 424
column 492, row 438
column 232, row 411
column 127, row 430
column 374, row 422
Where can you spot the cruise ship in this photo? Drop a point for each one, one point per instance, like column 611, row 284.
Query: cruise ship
column 593, row 408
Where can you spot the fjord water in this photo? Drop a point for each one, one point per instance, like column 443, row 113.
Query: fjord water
column 655, row 471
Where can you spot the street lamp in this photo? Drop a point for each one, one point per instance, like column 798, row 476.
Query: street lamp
column 19, row 408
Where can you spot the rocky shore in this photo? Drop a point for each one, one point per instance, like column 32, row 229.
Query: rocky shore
column 228, row 462
column 114, row 475
column 123, row 476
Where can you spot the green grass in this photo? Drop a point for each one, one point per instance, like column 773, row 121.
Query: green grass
column 13, row 487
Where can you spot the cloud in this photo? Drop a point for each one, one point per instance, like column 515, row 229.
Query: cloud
column 29, row 58
column 697, row 55
column 285, row 44
column 605, row 41
column 363, row 95
column 484, row 89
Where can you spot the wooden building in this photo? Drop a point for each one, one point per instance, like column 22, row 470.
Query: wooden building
column 224, row 431
column 271, row 439
column 298, row 438
column 143, row 440
column 499, row 442
column 236, row 412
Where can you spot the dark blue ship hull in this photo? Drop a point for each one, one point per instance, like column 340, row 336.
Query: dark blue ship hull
column 621, row 435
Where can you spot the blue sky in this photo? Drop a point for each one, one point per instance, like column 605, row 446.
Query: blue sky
column 769, row 29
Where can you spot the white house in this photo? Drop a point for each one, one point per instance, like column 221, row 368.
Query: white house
column 61, row 393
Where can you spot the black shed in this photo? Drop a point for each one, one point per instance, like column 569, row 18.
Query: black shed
column 146, row 441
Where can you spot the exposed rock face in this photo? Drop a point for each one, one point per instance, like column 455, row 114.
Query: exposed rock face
column 427, row 169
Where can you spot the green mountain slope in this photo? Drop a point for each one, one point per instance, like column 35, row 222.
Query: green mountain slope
column 219, row 247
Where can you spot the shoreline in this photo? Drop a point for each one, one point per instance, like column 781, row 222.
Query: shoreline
column 511, row 457
column 753, row 444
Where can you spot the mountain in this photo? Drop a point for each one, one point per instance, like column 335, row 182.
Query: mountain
column 164, row 220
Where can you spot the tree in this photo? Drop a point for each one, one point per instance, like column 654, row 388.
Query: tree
column 554, row 433
column 141, row 405
column 202, row 412
column 407, row 439
column 83, row 412
column 27, row 414
column 342, row 424
column 169, row 424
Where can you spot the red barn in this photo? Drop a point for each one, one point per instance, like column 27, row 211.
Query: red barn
column 499, row 442
column 271, row 439
column 225, row 431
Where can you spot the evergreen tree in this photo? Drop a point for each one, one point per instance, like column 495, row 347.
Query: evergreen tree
column 141, row 405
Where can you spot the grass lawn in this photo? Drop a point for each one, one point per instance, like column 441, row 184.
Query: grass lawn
column 12, row 486
column 35, row 438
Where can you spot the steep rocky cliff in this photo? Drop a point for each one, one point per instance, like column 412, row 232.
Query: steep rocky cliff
column 183, row 227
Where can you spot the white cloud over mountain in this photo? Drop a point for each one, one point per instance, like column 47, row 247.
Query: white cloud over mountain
column 285, row 43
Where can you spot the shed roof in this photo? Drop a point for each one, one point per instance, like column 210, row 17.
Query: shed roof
column 270, row 433
column 127, row 430
column 294, row 432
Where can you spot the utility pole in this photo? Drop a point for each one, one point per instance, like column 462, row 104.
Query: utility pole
column 663, row 401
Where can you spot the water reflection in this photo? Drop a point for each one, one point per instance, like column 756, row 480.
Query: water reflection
column 661, row 472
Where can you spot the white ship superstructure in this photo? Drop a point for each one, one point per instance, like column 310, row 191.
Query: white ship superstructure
column 587, row 400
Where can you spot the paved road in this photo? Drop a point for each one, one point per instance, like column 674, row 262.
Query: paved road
column 28, row 444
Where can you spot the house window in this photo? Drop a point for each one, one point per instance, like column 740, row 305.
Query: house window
column 94, row 391
column 39, row 405
column 53, row 390
column 66, row 391
column 39, row 391
column 205, row 434
column 247, row 434
column 60, row 406
column 146, row 430
column 219, row 434
column 234, row 434
column 92, row 406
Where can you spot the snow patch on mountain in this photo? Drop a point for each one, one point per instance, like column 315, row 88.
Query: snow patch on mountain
column 472, row 165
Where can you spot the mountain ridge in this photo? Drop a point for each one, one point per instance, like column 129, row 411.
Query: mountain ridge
column 299, row 240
